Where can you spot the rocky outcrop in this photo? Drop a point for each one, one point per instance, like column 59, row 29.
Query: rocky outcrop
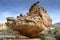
column 37, row 21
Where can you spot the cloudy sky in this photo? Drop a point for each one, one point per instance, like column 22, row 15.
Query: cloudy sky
column 15, row 7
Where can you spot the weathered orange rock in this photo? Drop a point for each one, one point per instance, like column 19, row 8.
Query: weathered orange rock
column 35, row 22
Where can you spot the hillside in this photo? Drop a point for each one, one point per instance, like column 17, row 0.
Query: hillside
column 57, row 24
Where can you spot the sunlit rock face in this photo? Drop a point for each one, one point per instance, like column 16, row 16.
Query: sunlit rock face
column 35, row 22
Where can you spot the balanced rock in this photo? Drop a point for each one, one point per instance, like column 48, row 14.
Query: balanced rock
column 35, row 22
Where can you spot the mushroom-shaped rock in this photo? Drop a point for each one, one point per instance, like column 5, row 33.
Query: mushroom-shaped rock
column 35, row 22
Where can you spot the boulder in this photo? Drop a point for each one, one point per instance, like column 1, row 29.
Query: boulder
column 36, row 22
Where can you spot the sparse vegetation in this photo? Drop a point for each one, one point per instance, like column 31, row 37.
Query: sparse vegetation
column 52, row 35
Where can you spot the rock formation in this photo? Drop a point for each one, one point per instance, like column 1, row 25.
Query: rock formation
column 36, row 22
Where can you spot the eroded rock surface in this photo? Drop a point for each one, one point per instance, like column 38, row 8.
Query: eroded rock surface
column 35, row 22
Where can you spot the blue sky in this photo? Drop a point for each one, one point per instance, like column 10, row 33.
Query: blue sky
column 15, row 7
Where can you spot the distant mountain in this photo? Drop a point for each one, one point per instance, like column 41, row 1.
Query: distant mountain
column 57, row 24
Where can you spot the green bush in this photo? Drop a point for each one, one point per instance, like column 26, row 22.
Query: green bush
column 44, row 37
column 49, row 38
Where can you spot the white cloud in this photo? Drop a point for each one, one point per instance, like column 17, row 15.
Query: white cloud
column 6, row 14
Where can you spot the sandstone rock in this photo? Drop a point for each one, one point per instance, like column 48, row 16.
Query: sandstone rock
column 37, row 21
